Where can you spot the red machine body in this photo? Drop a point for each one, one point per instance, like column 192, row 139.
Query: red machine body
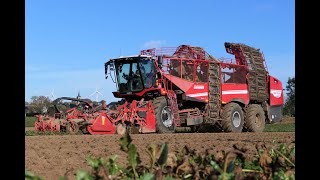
column 200, row 89
column 98, row 120
column 276, row 92
column 109, row 122
column 166, row 88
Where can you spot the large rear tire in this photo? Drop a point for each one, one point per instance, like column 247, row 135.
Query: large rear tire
column 164, row 119
column 255, row 118
column 233, row 118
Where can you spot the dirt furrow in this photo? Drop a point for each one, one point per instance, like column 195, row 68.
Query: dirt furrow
column 52, row 156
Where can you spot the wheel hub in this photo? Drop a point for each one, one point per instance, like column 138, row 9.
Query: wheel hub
column 257, row 120
column 166, row 116
column 236, row 119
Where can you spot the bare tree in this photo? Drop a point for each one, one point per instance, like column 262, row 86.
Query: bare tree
column 39, row 104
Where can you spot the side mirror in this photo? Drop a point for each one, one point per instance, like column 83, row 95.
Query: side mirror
column 106, row 69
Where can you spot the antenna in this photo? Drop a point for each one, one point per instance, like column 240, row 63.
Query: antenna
column 97, row 93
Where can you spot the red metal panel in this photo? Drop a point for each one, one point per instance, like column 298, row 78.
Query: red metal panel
column 276, row 92
column 101, row 125
column 234, row 91
column 183, row 84
column 198, row 91
column 150, row 125
column 229, row 92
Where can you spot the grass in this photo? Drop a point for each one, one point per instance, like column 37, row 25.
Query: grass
column 46, row 133
column 289, row 127
column 34, row 133
column 29, row 121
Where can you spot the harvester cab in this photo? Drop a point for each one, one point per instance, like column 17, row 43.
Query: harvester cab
column 139, row 83
column 134, row 75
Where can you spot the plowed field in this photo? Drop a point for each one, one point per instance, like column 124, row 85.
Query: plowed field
column 52, row 156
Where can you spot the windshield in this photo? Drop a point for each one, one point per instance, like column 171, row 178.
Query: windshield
column 148, row 72
column 133, row 76
column 128, row 77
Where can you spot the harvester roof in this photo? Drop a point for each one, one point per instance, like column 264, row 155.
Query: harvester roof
column 130, row 57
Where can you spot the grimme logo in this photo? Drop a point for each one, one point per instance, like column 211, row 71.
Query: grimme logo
column 198, row 87
column 276, row 93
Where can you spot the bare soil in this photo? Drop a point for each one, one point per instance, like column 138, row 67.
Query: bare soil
column 52, row 156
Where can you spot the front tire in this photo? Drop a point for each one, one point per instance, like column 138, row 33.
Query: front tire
column 233, row 118
column 163, row 115
column 255, row 118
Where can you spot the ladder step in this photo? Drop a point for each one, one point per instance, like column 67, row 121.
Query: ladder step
column 214, row 90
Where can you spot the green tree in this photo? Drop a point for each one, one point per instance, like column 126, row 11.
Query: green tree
column 289, row 106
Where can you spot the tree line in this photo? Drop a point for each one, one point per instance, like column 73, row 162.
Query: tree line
column 43, row 104
column 289, row 106
column 40, row 104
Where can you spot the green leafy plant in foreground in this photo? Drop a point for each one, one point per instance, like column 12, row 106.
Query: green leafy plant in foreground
column 30, row 176
column 277, row 162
